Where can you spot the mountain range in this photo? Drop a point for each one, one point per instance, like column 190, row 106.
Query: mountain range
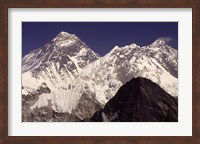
column 65, row 80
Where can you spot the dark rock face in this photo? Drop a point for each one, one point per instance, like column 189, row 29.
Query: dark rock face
column 86, row 108
column 29, row 100
column 139, row 100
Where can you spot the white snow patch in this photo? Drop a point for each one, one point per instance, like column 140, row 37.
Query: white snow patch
column 62, row 100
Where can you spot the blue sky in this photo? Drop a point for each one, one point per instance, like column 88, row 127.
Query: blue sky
column 99, row 36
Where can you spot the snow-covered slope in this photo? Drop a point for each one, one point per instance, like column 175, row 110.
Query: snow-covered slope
column 156, row 62
column 70, row 69
column 164, row 54
column 63, row 100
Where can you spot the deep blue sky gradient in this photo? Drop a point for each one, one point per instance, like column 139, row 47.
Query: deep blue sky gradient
column 99, row 36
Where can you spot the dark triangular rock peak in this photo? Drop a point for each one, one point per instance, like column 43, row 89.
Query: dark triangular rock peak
column 139, row 100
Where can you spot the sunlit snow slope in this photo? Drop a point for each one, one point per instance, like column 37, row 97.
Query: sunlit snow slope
column 157, row 62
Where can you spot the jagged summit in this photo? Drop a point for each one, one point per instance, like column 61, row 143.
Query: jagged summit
column 63, row 36
column 158, row 43
column 126, row 48
column 133, row 45
column 64, row 33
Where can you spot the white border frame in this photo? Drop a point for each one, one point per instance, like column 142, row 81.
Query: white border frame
column 181, row 128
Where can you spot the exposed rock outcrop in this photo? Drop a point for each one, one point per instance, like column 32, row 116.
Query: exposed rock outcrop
column 139, row 100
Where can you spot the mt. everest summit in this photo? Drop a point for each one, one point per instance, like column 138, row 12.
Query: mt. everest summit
column 58, row 61
column 80, row 82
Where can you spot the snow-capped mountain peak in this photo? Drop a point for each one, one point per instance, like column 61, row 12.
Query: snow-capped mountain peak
column 124, row 50
column 64, row 38
column 115, row 48
column 158, row 43
column 133, row 45
column 64, row 34
column 58, row 60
